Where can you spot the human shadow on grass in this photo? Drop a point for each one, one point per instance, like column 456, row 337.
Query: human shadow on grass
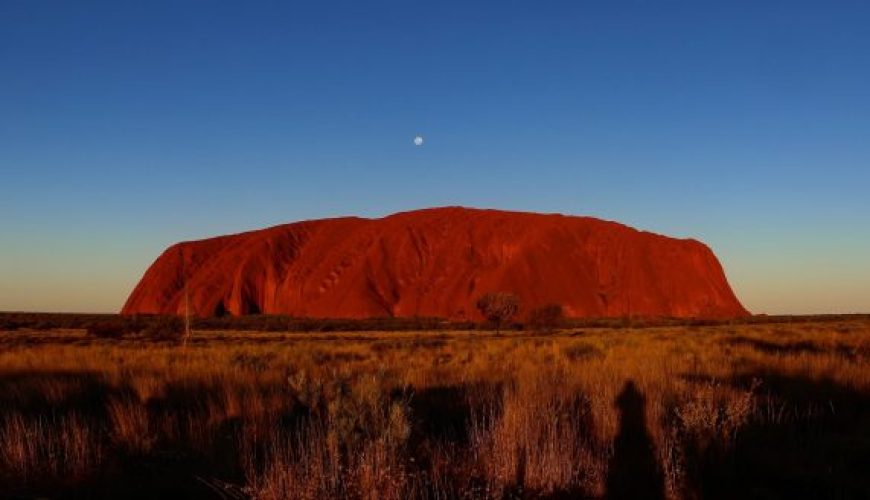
column 634, row 471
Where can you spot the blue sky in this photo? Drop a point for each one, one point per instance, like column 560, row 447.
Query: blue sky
column 126, row 126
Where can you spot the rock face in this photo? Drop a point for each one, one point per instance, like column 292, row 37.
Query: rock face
column 436, row 263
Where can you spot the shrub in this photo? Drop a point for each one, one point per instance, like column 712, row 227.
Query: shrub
column 108, row 329
column 581, row 351
column 9, row 324
column 362, row 411
column 546, row 318
column 42, row 325
column 165, row 328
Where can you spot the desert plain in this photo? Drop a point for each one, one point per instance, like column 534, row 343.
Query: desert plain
column 753, row 408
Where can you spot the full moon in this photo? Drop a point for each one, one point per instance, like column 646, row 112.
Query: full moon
column 418, row 141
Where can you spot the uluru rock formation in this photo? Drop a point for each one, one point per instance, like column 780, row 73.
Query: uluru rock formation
column 436, row 263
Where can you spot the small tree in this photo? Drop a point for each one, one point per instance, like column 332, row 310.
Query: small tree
column 546, row 318
column 498, row 307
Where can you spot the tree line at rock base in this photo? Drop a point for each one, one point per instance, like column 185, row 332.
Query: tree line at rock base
column 100, row 324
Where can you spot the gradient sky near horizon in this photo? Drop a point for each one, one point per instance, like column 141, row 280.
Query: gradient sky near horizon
column 127, row 126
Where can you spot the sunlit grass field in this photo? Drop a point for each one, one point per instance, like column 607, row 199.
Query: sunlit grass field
column 775, row 410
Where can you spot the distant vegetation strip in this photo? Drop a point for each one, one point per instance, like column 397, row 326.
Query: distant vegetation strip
column 278, row 323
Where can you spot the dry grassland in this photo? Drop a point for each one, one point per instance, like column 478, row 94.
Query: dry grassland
column 756, row 411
